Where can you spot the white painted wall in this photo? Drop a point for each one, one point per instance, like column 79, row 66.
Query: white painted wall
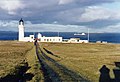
column 83, row 41
column 21, row 32
column 39, row 35
column 73, row 40
column 77, row 40
column 26, row 39
column 29, row 39
column 49, row 39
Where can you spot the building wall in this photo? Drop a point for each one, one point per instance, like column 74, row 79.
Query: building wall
column 50, row 39
column 83, row 41
column 73, row 40
column 29, row 39
column 21, row 32
column 26, row 39
column 77, row 40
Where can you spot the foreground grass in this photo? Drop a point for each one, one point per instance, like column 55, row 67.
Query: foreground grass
column 14, row 55
column 85, row 59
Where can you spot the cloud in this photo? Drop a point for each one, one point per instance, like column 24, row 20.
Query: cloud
column 39, row 7
column 44, row 8
column 99, row 13
column 61, row 2
column 11, row 5
column 69, row 28
column 91, row 16
column 58, row 15
column 12, row 25
column 85, row 2
column 113, row 28
column 54, row 28
column 67, row 16
column 8, row 23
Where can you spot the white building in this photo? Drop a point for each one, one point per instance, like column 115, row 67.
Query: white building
column 21, row 30
column 77, row 40
column 21, row 33
column 74, row 40
column 48, row 39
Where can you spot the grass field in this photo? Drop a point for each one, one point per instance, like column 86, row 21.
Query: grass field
column 67, row 61
column 85, row 59
column 11, row 55
column 14, row 55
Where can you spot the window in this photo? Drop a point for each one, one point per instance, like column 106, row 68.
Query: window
column 44, row 39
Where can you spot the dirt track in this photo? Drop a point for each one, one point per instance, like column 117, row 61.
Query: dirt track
column 55, row 72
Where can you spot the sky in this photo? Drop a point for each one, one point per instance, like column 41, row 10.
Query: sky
column 61, row 15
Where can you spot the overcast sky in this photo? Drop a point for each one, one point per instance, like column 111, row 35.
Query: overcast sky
column 61, row 15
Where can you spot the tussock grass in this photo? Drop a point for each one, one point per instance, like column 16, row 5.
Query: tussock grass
column 12, row 55
column 16, row 55
column 85, row 59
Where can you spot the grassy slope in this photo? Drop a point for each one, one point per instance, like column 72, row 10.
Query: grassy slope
column 86, row 59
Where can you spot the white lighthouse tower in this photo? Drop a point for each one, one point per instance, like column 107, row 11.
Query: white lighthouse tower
column 21, row 30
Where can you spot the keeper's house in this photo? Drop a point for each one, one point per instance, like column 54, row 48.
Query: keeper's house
column 77, row 40
column 48, row 39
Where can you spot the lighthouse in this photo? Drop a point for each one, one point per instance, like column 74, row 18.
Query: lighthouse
column 21, row 30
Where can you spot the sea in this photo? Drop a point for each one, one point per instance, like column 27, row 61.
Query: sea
column 93, row 37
